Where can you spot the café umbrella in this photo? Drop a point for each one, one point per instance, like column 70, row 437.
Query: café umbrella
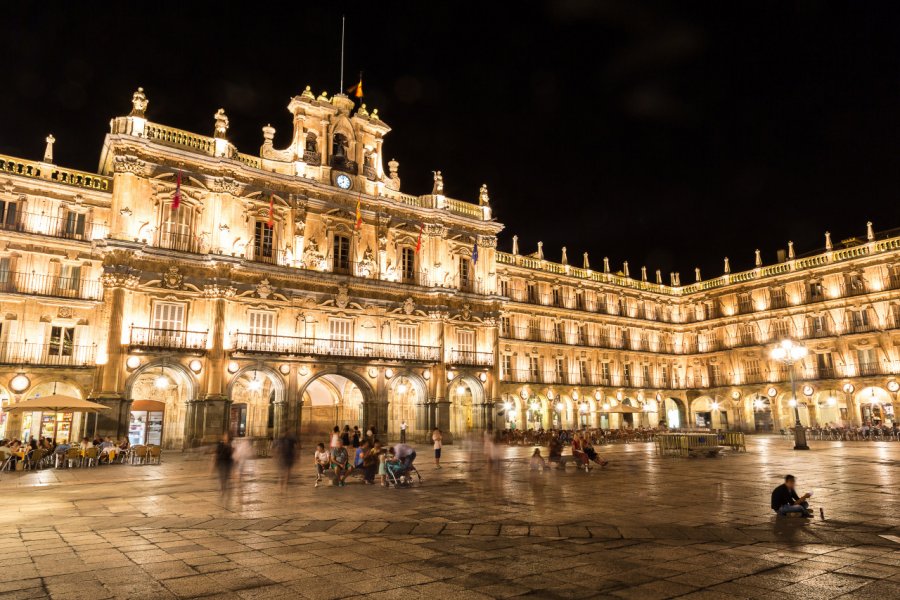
column 55, row 403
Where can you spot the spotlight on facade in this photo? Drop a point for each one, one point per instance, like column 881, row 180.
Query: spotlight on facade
column 715, row 406
column 233, row 367
column 606, row 406
column 133, row 362
column 559, row 407
column 285, row 369
column 450, row 375
column 574, row 394
column 549, row 394
column 388, row 373
column 482, row 376
column 255, row 384
column 792, row 403
column 19, row 383
column 507, row 406
column 535, row 406
column 597, row 395
column 460, row 389
column 426, row 374
column 401, row 388
column 758, row 404
column 195, row 365
column 831, row 401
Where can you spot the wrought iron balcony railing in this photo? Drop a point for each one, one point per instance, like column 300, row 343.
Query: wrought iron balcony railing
column 252, row 343
column 36, row 284
column 60, row 354
column 70, row 226
column 471, row 358
column 155, row 338
column 312, row 158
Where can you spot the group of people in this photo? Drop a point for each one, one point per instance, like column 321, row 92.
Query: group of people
column 26, row 452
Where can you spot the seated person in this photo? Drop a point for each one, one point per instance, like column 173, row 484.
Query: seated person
column 371, row 462
column 537, row 461
column 340, row 462
column 86, row 443
column 322, row 461
column 359, row 454
column 556, row 449
column 588, row 448
column 785, row 500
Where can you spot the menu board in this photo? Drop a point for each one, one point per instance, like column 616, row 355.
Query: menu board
column 154, row 428
column 137, row 427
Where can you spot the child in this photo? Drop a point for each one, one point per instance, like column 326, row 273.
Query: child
column 382, row 468
column 323, row 462
column 537, row 461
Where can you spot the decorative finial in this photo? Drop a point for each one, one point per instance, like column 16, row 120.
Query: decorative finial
column 48, row 151
column 587, row 263
column 139, row 104
column 757, row 261
column 483, row 198
column 625, row 269
column 606, row 264
column 658, row 277
column 540, row 252
column 221, row 123
column 870, row 233
column 643, row 273
column 727, row 266
column 697, row 274
column 677, row 278
column 791, row 250
column 515, row 245
column 565, row 259
column 672, row 279
column 828, row 245
column 438, row 188
column 268, row 134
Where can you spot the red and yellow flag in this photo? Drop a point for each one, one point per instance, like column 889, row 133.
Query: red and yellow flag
column 419, row 241
column 176, row 199
column 356, row 90
column 271, row 221
column 358, row 214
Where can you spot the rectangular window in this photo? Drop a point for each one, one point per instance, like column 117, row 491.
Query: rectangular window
column 408, row 338
column 744, row 305
column 341, row 254
column 507, row 367
column 504, row 288
column 560, row 369
column 408, row 264
column 556, row 301
column 69, row 277
column 532, row 293
column 73, row 227
column 561, row 333
column 534, row 368
column 604, row 373
column 534, row 329
column 465, row 344
column 815, row 291
column 715, row 375
column 175, row 228
column 582, row 334
column 626, row 372
column 262, row 322
column 340, row 333
column 505, row 326
column 752, row 368
column 8, row 212
column 465, row 272
column 62, row 341
column 779, row 330
column 168, row 316
column 860, row 319
column 664, row 376
column 645, row 374
column 584, row 370
column 5, row 271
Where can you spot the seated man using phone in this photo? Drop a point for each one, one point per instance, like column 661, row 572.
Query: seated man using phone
column 785, row 500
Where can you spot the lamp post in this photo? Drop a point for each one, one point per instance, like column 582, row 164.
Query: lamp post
column 788, row 353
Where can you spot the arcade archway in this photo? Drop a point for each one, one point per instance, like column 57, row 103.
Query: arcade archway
column 407, row 393
column 159, row 393
column 255, row 393
column 334, row 399
column 673, row 413
column 466, row 397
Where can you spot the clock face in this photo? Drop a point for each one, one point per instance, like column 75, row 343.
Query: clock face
column 343, row 182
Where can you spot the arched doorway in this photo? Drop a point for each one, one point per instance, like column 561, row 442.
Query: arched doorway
column 407, row 392
column 673, row 413
column 627, row 417
column 830, row 407
column 159, row 393
column 875, row 406
column 788, row 410
column 5, row 397
column 255, row 393
column 762, row 414
column 465, row 393
column 335, row 399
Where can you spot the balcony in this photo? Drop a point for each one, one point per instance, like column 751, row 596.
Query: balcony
column 36, row 284
column 156, row 339
column 312, row 158
column 471, row 358
column 71, row 226
column 282, row 345
column 181, row 242
column 47, row 355
column 369, row 172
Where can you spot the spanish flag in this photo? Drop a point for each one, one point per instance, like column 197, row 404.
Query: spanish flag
column 356, row 90
column 176, row 199
column 358, row 214
column 419, row 241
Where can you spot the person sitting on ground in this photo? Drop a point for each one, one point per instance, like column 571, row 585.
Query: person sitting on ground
column 556, row 448
column 785, row 500
column 323, row 462
column 588, row 448
column 340, row 462
column 537, row 461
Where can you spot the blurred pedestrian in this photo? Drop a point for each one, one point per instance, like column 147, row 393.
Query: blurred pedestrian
column 403, row 427
column 286, row 455
column 223, row 462
column 437, row 437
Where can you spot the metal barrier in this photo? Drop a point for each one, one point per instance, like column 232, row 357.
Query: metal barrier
column 683, row 444
column 734, row 440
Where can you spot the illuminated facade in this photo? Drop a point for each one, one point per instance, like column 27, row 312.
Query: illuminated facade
column 301, row 288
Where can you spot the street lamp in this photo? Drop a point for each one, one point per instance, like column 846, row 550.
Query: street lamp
column 788, row 353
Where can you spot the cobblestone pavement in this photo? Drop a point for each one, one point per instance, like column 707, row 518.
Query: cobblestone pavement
column 644, row 527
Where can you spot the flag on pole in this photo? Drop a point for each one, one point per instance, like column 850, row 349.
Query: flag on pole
column 271, row 221
column 419, row 241
column 475, row 254
column 356, row 90
column 358, row 214
column 176, row 199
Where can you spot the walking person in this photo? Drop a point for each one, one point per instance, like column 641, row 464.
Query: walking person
column 286, row 454
column 437, row 437
column 403, row 427
column 223, row 462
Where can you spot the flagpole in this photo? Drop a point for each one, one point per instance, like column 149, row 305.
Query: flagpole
column 343, row 25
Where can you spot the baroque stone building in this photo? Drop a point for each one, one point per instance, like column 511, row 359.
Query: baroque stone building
column 194, row 289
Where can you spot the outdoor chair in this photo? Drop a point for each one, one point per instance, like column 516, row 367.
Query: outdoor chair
column 72, row 456
column 154, row 454
column 138, row 454
column 33, row 459
column 90, row 458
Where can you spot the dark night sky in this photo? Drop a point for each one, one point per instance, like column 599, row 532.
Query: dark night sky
column 669, row 134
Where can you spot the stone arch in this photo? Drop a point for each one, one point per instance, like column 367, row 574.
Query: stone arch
column 675, row 412
column 406, row 405
column 829, row 404
column 257, row 396
column 353, row 402
column 149, row 395
column 871, row 403
column 465, row 405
